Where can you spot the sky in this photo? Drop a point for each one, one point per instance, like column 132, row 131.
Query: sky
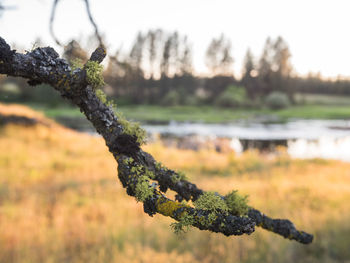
column 317, row 31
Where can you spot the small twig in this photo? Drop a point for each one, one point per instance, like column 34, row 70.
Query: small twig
column 92, row 21
column 97, row 33
column 52, row 18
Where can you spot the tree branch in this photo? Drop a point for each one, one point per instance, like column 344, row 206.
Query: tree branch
column 136, row 168
column 52, row 18
column 91, row 19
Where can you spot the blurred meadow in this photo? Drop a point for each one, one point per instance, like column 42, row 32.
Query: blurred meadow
column 239, row 95
column 61, row 201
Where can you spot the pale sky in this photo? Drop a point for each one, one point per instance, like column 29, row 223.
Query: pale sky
column 317, row 31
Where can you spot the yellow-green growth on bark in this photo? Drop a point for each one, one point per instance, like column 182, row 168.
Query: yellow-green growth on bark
column 168, row 207
column 76, row 63
column 101, row 95
column 132, row 128
column 185, row 223
column 210, row 201
column 143, row 190
column 94, row 74
column 237, row 204
column 178, row 176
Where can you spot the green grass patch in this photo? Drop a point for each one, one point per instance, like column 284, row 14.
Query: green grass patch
column 208, row 114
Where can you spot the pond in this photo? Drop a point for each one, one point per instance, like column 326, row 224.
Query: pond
column 329, row 139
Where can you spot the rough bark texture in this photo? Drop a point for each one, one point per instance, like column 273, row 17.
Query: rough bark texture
column 43, row 65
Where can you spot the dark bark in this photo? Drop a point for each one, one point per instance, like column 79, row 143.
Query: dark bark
column 43, row 65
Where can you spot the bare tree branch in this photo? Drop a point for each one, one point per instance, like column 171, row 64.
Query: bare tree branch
column 135, row 167
column 91, row 19
column 52, row 18
column 97, row 33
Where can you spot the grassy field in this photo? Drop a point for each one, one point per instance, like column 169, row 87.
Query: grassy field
column 149, row 113
column 61, row 201
column 321, row 99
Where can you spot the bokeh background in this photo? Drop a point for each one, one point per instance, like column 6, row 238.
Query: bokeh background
column 237, row 94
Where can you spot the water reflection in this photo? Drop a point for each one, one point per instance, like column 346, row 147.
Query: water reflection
column 328, row 139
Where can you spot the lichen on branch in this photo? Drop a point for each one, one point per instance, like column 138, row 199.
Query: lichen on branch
column 94, row 74
column 129, row 127
column 139, row 173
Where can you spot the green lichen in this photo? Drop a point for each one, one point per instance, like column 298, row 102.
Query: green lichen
column 101, row 95
column 237, row 204
column 150, row 174
column 94, row 74
column 160, row 167
column 184, row 224
column 137, row 169
column 211, row 201
column 143, row 190
column 76, row 63
column 132, row 128
column 128, row 161
column 182, row 175
column 178, row 176
column 175, row 177
column 211, row 218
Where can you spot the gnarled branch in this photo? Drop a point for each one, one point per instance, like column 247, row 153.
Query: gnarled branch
column 136, row 168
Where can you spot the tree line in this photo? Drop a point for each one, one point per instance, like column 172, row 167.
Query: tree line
column 158, row 69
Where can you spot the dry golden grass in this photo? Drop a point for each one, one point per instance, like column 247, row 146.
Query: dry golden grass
column 61, row 201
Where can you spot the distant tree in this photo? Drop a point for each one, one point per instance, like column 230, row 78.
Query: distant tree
column 281, row 57
column 275, row 68
column 218, row 56
column 174, row 53
column 265, row 68
column 186, row 67
column 154, row 40
column 74, row 51
column 248, row 64
column 136, row 55
column 282, row 67
column 119, row 74
column 227, row 59
column 165, row 64
column 248, row 80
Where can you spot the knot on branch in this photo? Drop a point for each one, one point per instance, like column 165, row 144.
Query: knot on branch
column 125, row 144
column 98, row 55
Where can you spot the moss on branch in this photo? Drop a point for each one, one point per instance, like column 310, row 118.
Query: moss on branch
column 211, row 211
column 94, row 74
column 237, row 204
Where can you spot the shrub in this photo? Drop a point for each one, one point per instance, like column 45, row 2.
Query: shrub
column 172, row 98
column 277, row 100
column 233, row 96
column 191, row 100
